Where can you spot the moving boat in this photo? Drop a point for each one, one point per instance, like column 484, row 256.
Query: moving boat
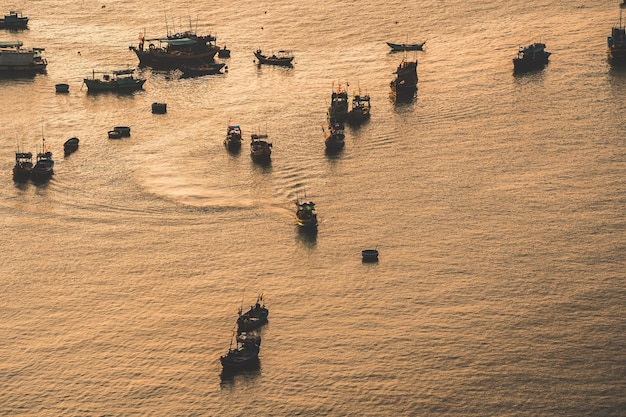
column 254, row 318
column 120, row 81
column 176, row 50
column 202, row 69
column 338, row 109
column 305, row 213
column 616, row 43
column 531, row 57
column 244, row 354
column 405, row 85
column 361, row 107
column 335, row 137
column 13, row 21
column 406, row 46
column 15, row 58
column 260, row 148
column 281, row 58
column 44, row 166
column 23, row 166
column 70, row 145
column 233, row 138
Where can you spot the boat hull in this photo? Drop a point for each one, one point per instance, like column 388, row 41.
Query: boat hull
column 406, row 47
column 160, row 59
column 96, row 86
column 520, row 66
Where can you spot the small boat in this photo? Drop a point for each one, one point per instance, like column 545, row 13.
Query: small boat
column 203, row 69
column 176, row 50
column 70, row 145
column 406, row 46
column 361, row 108
column 223, row 53
column 233, row 138
column 281, row 58
column 13, row 21
column 121, row 81
column 370, row 255
column 253, row 318
column 404, row 86
column 243, row 355
column 530, row 58
column 62, row 88
column 260, row 148
column 616, row 43
column 23, row 166
column 305, row 213
column 17, row 59
column 44, row 165
column 338, row 109
column 159, row 108
column 119, row 132
column 335, row 137
column 114, row 134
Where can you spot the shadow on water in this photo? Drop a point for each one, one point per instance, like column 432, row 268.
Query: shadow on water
column 307, row 236
column 264, row 166
column 230, row 377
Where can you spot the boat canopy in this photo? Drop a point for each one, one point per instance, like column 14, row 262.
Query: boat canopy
column 175, row 42
column 10, row 44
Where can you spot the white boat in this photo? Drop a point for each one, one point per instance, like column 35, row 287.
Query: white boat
column 16, row 58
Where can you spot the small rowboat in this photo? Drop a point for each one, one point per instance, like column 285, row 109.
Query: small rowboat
column 406, row 46
column 370, row 255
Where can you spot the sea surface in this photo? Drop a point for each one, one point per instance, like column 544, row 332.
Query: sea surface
column 497, row 203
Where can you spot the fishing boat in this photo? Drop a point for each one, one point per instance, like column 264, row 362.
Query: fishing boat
column 70, row 145
column 254, row 318
column 281, row 58
column 23, row 166
column 404, row 86
column 305, row 213
column 530, row 58
column 260, row 148
column 406, row 46
column 122, row 81
column 13, row 21
column 616, row 43
column 361, row 108
column 339, row 103
column 17, row 59
column 233, row 138
column 244, row 354
column 202, row 69
column 334, row 137
column 176, row 50
column 44, row 165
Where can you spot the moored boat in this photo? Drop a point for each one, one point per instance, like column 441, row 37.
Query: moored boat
column 406, row 46
column 23, row 166
column 14, row 21
column 202, row 69
column 281, row 58
column 334, row 137
column 616, row 43
column 260, row 148
column 176, row 50
column 17, row 59
column 404, row 86
column 44, row 165
column 361, row 107
column 120, row 81
column 531, row 57
column 339, row 104
column 70, row 145
column 254, row 318
column 305, row 213
column 244, row 354
column 159, row 108
column 369, row 255
column 233, row 138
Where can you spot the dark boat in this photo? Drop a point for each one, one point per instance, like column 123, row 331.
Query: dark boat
column 70, row 145
column 260, row 148
column 233, row 138
column 120, row 81
column 119, row 132
column 305, row 213
column 202, row 69
column 404, row 86
column 62, row 88
column 253, row 318
column 15, row 59
column 616, row 43
column 281, row 58
column 244, row 354
column 406, row 46
column 44, row 166
column 159, row 108
column 338, row 109
column 23, row 166
column 334, row 137
column 13, row 21
column 361, row 108
column 530, row 58
column 224, row 53
column 369, row 255
column 176, row 50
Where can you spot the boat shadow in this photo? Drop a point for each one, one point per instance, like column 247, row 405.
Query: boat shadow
column 307, row 236
column 228, row 377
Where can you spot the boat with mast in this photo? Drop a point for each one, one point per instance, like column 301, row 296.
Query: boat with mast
column 616, row 43
column 306, row 216
column 338, row 109
column 121, row 81
column 530, row 58
column 23, row 166
column 404, row 86
column 361, row 107
column 44, row 165
column 14, row 21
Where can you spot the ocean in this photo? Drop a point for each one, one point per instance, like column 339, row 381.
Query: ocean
column 497, row 203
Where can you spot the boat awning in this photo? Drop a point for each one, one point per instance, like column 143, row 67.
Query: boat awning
column 10, row 44
column 175, row 42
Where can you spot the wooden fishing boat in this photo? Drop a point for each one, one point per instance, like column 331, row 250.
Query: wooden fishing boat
column 70, row 145
column 305, row 213
column 120, row 81
column 406, row 46
column 254, row 318
column 233, row 138
column 44, row 165
column 23, row 166
column 176, row 50
column 244, row 354
column 339, row 103
column 13, row 21
column 335, row 137
column 281, row 58
column 260, row 148
column 361, row 108
column 616, row 43
column 404, row 86
column 530, row 58
column 202, row 69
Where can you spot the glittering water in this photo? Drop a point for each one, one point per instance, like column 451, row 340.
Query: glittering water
column 497, row 203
